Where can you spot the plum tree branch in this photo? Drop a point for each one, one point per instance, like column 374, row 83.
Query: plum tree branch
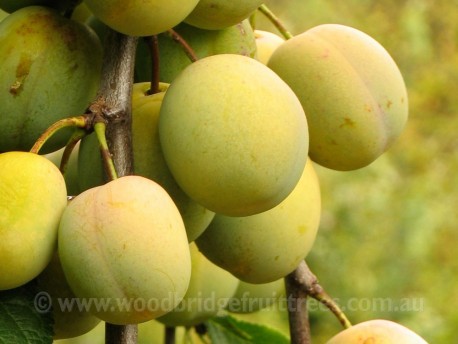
column 170, row 335
column 113, row 103
column 115, row 94
column 299, row 326
column 309, row 282
column 301, row 284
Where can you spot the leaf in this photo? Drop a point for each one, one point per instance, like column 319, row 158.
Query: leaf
column 21, row 322
column 228, row 330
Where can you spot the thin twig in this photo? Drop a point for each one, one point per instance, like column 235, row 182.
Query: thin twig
column 186, row 47
column 275, row 21
column 309, row 282
column 72, row 142
column 153, row 44
column 77, row 122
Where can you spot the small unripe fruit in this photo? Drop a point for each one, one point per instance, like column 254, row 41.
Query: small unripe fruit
column 237, row 143
column 32, row 199
column 266, row 247
column 377, row 332
column 50, row 69
column 352, row 92
column 136, row 254
column 141, row 17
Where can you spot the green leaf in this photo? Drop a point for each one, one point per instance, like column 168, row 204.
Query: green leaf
column 21, row 322
column 228, row 330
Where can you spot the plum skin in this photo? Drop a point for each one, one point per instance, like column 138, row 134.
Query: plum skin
column 352, row 92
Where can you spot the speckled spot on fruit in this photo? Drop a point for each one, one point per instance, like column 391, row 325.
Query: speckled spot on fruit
column 70, row 38
column 347, row 122
column 22, row 71
column 370, row 340
column 302, row 229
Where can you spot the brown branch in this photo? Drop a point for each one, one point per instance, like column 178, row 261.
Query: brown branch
column 299, row 327
column 114, row 101
column 116, row 93
column 170, row 335
column 309, row 282
column 301, row 284
column 118, row 334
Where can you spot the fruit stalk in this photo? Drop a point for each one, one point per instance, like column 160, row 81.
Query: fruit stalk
column 100, row 130
column 186, row 47
column 304, row 282
column 72, row 142
column 153, row 44
column 115, row 96
column 275, row 21
column 310, row 283
column 78, row 122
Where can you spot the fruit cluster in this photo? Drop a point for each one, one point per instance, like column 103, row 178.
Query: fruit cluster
column 224, row 152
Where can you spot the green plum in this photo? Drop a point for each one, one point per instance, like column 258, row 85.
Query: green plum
column 3, row 14
column 266, row 43
column 81, row 13
column 136, row 254
column 210, row 289
column 233, row 134
column 32, row 200
column 68, row 323
column 236, row 39
column 265, row 247
column 141, row 17
column 219, row 14
column 71, row 172
column 94, row 336
column 148, row 159
column 377, row 332
column 148, row 332
column 14, row 5
column 250, row 297
column 51, row 68
column 352, row 92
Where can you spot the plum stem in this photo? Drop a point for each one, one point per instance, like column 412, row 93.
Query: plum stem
column 78, row 122
column 303, row 283
column 153, row 44
column 252, row 20
column 170, row 335
column 72, row 142
column 315, row 290
column 100, row 131
column 275, row 21
column 186, row 47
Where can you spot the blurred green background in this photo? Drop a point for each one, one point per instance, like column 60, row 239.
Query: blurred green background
column 387, row 246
